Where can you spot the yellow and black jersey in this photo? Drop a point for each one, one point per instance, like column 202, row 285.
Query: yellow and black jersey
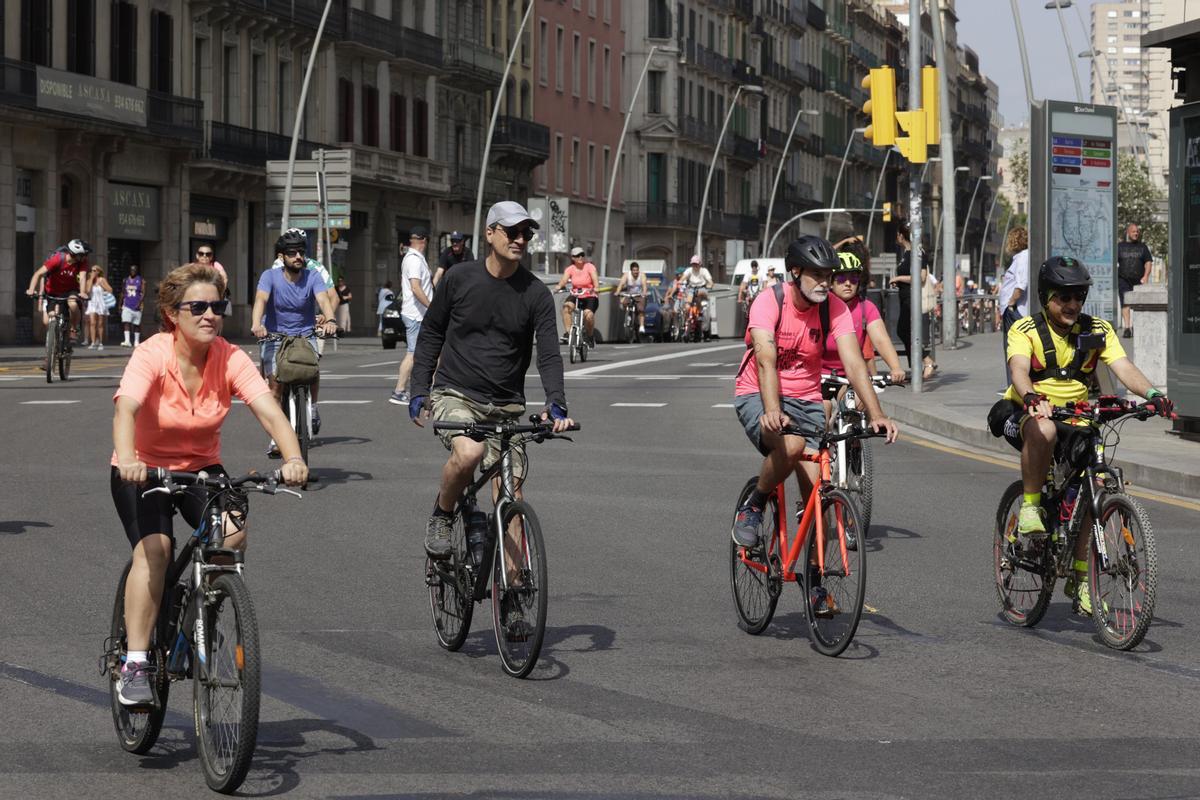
column 1062, row 376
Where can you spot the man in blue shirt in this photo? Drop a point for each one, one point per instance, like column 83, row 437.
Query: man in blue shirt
column 289, row 299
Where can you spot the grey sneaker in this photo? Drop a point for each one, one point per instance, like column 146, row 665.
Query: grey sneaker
column 133, row 684
column 399, row 398
column 746, row 526
column 437, row 536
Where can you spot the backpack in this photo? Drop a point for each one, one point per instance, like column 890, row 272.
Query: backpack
column 296, row 361
column 1083, row 354
column 822, row 313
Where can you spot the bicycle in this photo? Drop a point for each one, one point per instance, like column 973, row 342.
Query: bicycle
column 297, row 400
column 853, row 461
column 629, row 319
column 577, row 344
column 206, row 630
column 479, row 552
column 58, row 338
column 834, row 577
column 1122, row 558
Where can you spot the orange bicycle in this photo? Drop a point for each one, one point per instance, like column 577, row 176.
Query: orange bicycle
column 833, row 576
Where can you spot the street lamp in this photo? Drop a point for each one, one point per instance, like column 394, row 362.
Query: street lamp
column 967, row 219
column 749, row 88
column 837, row 184
column 779, row 174
column 879, row 184
column 612, row 180
column 937, row 236
column 1058, row 5
column 1016, row 15
column 1093, row 54
column 308, row 71
column 987, row 221
column 928, row 161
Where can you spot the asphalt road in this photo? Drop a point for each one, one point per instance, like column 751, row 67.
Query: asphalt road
column 646, row 688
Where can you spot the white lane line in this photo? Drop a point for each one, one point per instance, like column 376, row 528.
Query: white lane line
column 722, row 405
column 345, row 402
column 637, row 405
column 706, row 364
column 49, row 402
column 650, row 359
column 378, row 364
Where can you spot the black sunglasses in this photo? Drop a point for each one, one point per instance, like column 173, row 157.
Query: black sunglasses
column 293, row 253
column 515, row 232
column 198, row 307
column 204, row 253
column 1067, row 296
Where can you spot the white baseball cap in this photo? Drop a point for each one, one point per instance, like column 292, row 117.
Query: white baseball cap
column 577, row 251
column 695, row 260
column 509, row 212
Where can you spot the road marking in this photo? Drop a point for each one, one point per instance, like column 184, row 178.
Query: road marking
column 49, row 402
column 651, row 359
column 638, row 405
column 706, row 364
column 344, row 402
column 378, row 364
column 722, row 405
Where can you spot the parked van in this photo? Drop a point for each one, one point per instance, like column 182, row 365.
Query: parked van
column 742, row 269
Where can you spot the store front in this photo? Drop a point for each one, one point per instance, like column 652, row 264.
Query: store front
column 134, row 234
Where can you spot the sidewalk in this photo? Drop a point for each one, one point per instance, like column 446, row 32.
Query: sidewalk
column 956, row 401
column 24, row 355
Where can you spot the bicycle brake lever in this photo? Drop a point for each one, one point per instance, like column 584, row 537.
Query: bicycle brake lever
column 280, row 490
column 156, row 490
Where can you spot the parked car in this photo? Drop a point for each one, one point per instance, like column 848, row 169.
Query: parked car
column 393, row 326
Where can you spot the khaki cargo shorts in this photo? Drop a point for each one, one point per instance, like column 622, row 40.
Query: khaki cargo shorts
column 452, row 406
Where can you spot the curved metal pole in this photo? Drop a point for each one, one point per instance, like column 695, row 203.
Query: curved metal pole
column 612, row 180
column 949, row 200
column 778, row 175
column 712, row 168
column 802, row 214
column 1093, row 52
column 962, row 243
column 878, row 184
column 837, row 184
column 487, row 146
column 987, row 221
column 291, row 170
column 1016, row 15
column 1062, row 23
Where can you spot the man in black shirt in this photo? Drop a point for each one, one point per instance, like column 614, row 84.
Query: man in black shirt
column 456, row 253
column 1133, row 267
column 482, row 326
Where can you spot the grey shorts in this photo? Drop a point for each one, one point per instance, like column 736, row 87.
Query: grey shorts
column 451, row 406
column 807, row 415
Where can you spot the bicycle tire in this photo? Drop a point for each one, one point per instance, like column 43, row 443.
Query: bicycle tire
column 519, row 650
column 862, row 466
column 572, row 344
column 1133, row 563
column 64, row 362
column 300, row 421
column 51, row 349
column 450, row 606
column 226, row 747
column 137, row 729
column 756, row 593
column 844, row 581
column 583, row 351
column 1024, row 596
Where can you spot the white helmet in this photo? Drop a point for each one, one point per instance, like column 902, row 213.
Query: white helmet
column 78, row 247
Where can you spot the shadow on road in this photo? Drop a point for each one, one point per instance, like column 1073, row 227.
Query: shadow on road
column 328, row 440
column 328, row 476
column 283, row 745
column 13, row 527
column 878, row 533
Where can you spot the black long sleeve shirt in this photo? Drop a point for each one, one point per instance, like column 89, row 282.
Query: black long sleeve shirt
column 483, row 330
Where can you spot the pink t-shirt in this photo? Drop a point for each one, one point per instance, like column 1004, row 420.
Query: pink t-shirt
column 173, row 430
column 862, row 313
column 798, row 353
column 584, row 281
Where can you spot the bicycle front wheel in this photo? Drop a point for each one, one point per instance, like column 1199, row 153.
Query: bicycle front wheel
column 227, row 683
column 1123, row 587
column 861, row 466
column 1023, row 569
column 519, row 603
column 755, row 589
column 51, row 349
column 64, row 362
column 137, row 728
column 833, row 598
column 449, row 583
column 300, row 418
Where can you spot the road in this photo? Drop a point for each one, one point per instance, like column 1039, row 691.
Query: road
column 647, row 688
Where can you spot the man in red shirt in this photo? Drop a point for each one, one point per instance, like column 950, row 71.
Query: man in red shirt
column 64, row 271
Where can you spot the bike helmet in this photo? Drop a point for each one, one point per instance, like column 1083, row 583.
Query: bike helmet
column 292, row 239
column 679, row 271
column 1060, row 272
column 810, row 252
column 848, row 262
column 78, row 247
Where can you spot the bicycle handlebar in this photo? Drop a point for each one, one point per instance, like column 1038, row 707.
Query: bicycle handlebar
column 1108, row 409
column 502, row 428
column 837, row 379
column 171, row 481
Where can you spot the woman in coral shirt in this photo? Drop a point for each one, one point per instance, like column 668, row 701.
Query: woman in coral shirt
column 174, row 395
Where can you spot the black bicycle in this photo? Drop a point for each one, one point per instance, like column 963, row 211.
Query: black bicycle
column 206, row 630
column 297, row 399
column 629, row 317
column 58, row 338
column 1083, row 489
column 500, row 555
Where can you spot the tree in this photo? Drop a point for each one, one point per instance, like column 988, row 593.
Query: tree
column 1018, row 168
column 1140, row 201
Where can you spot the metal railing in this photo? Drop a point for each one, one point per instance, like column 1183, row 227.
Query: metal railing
column 225, row 142
column 473, row 60
column 709, row 60
column 798, row 13
column 394, row 39
column 815, row 16
column 745, row 148
column 169, row 115
column 521, row 134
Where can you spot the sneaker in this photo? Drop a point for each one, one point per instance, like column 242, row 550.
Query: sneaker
column 823, row 604
column 591, row 342
column 399, row 398
column 91, row 346
column 273, row 450
column 516, row 628
column 126, row 344
column 851, row 539
column 746, row 526
column 100, row 346
column 564, row 338
column 133, row 684
column 1128, row 333
column 437, row 536
column 1030, row 522
column 316, row 421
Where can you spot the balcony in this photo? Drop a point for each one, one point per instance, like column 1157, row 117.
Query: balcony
column 974, row 113
column 840, row 88
column 863, row 55
column 687, row 216
column 521, row 140
column 777, row 71
column 464, row 183
column 177, row 117
column 776, row 138
column 708, row 60
column 744, row 9
column 301, row 12
column 250, row 147
column 815, row 17
column 798, row 14
column 813, row 145
column 376, row 33
column 389, row 168
column 471, row 65
column 698, row 131
column 975, row 151
column 816, row 78
column 744, row 73
column 745, row 149
column 840, row 29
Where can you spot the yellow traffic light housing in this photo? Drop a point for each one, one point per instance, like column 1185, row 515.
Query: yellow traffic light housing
column 881, row 108
column 887, row 212
column 929, row 96
column 912, row 146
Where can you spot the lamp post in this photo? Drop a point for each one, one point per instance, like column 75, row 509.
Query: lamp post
column 837, row 184
column 749, row 88
column 1133, row 129
column 1016, row 15
column 779, row 231
column 983, row 240
column 487, row 145
column 1062, row 23
column 779, row 174
column 308, row 71
column 878, row 184
column 962, row 244
column 612, row 180
column 937, row 237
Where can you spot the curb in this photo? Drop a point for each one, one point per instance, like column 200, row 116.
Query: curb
column 1140, row 475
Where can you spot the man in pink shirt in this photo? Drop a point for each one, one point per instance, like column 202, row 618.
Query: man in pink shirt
column 779, row 383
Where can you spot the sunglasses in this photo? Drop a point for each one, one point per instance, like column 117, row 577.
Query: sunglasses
column 198, row 307
column 1065, row 297
column 204, row 254
column 848, row 277
column 294, row 253
column 515, row 232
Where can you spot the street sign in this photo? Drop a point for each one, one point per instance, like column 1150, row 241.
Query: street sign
column 305, row 210
column 552, row 214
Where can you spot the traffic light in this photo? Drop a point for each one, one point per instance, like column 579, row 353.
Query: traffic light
column 881, row 108
column 912, row 146
column 930, row 96
column 887, row 212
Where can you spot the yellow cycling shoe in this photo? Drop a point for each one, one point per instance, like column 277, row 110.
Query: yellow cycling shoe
column 1031, row 521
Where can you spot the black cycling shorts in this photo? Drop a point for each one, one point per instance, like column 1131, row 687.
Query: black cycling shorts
column 145, row 516
column 1063, row 441
column 586, row 303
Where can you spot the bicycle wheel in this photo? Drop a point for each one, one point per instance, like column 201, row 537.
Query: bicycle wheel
column 519, row 611
column 583, row 351
column 573, row 343
column 64, row 362
column 1123, row 593
column 300, row 421
column 1023, row 570
column 448, row 581
column 226, row 684
column 137, row 728
column 833, row 600
column 861, row 466
column 51, row 349
column 755, row 589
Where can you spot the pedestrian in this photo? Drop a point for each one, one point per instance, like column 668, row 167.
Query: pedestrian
column 1133, row 267
column 133, row 293
column 343, row 309
column 98, row 290
column 1014, row 289
column 207, row 256
column 903, row 281
column 416, row 287
column 386, row 296
column 456, row 253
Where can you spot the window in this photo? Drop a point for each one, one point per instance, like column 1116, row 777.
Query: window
column 607, row 76
column 345, row 110
column 36, row 26
column 81, row 36
column 399, row 123
column 654, row 89
column 284, row 92
column 576, row 64
column 558, row 162
column 660, row 20
column 591, row 70
column 370, row 116
column 575, row 166
column 544, row 50
column 592, row 8
column 607, row 11
column 258, row 91
column 229, row 85
column 161, row 52
column 558, row 58
column 124, row 43
column 656, row 178
column 421, row 128
column 605, row 164
column 591, row 168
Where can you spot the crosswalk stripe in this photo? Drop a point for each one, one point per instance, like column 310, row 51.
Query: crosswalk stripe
column 722, row 405
column 638, row 405
column 49, row 402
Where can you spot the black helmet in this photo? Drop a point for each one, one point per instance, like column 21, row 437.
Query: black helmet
column 810, row 252
column 1059, row 272
column 292, row 239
